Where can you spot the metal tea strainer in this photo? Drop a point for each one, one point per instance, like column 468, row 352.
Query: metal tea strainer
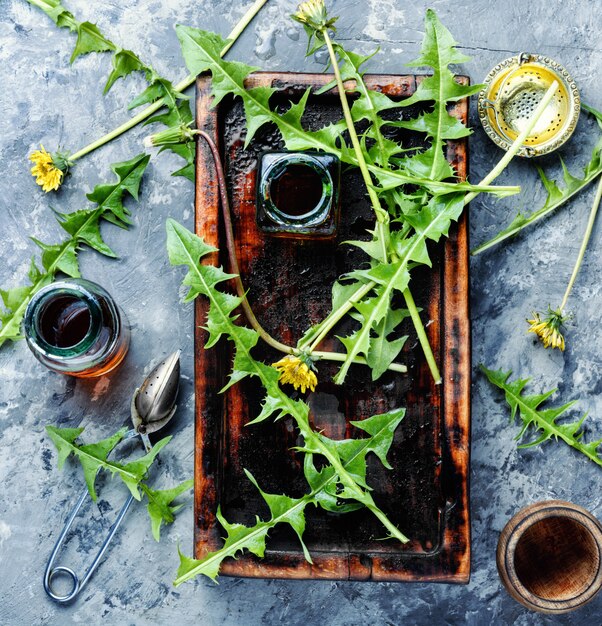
column 153, row 405
column 512, row 91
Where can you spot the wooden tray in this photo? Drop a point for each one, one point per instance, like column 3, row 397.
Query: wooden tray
column 289, row 283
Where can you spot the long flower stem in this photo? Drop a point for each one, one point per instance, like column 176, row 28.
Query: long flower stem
column 339, row 356
column 382, row 217
column 181, row 86
column 333, row 319
column 335, row 316
column 518, row 142
column 588, row 232
column 381, row 214
column 430, row 359
column 240, row 290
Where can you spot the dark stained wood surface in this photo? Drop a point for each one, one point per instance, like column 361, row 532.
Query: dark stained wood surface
column 289, row 283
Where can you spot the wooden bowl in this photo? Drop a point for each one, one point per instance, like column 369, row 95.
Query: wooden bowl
column 549, row 556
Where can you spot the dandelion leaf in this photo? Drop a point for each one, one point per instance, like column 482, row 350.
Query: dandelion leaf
column 283, row 510
column 438, row 52
column 84, row 229
column 160, row 508
column 556, row 196
column 542, row 422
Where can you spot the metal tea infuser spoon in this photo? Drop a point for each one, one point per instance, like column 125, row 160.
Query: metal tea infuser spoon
column 153, row 405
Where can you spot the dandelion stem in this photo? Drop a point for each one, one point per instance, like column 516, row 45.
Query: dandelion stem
column 181, row 86
column 517, row 144
column 340, row 356
column 588, row 231
column 240, row 290
column 382, row 216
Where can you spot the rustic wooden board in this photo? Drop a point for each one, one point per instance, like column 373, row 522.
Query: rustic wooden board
column 289, row 282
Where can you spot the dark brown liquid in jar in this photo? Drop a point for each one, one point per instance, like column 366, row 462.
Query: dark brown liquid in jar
column 65, row 322
column 297, row 191
column 73, row 326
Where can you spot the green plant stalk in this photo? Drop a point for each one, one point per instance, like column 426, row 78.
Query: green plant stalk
column 537, row 215
column 518, row 142
column 588, row 231
column 290, row 408
column 420, row 330
column 335, row 316
column 181, row 86
column 339, row 356
column 382, row 217
column 234, row 268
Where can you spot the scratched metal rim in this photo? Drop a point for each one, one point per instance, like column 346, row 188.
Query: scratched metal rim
column 513, row 88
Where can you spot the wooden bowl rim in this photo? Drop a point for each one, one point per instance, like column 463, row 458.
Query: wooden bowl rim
column 514, row 530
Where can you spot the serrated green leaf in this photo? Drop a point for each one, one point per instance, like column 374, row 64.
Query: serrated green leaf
column 124, row 63
column 284, row 509
column 556, row 197
column 185, row 248
column 438, row 52
column 84, row 228
column 110, row 196
column 252, row 538
column 159, row 507
column 62, row 440
column 90, row 39
column 61, row 256
column 382, row 351
column 13, row 297
column 92, row 457
column 85, row 225
column 544, row 422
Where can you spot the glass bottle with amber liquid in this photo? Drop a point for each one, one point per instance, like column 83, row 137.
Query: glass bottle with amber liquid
column 74, row 327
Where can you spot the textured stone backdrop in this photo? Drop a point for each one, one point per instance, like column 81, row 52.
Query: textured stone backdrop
column 44, row 99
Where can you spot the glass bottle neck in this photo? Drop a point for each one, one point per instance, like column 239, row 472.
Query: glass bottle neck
column 64, row 319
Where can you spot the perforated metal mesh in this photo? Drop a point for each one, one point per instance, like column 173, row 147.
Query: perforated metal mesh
column 513, row 91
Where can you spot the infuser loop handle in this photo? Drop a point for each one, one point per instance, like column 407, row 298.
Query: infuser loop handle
column 78, row 584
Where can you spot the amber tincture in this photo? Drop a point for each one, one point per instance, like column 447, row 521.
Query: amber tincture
column 75, row 327
column 298, row 194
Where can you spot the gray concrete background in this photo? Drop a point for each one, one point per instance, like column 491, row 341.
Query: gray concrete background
column 43, row 99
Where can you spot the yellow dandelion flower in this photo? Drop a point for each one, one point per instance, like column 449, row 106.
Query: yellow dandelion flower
column 313, row 13
column 49, row 169
column 548, row 329
column 296, row 371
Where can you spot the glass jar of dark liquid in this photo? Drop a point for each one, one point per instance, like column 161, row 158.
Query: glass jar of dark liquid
column 298, row 194
column 74, row 327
